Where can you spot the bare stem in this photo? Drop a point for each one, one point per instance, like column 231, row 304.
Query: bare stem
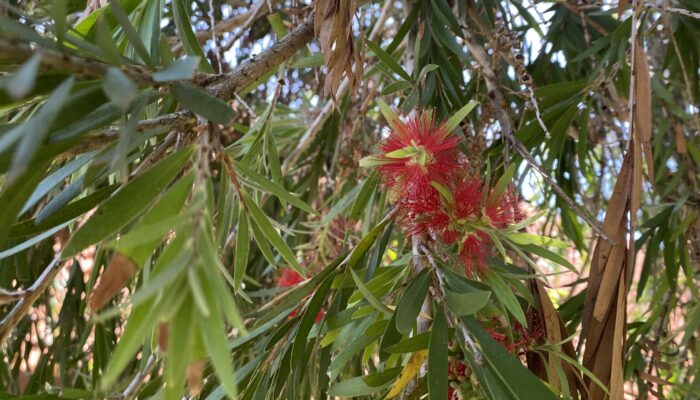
column 30, row 296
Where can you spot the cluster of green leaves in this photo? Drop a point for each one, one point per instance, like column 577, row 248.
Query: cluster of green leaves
column 208, row 225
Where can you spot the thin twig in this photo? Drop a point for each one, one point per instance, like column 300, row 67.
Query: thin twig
column 10, row 297
column 328, row 108
column 452, row 319
column 674, row 10
column 520, row 149
column 132, row 389
column 253, row 15
column 504, row 119
column 31, row 295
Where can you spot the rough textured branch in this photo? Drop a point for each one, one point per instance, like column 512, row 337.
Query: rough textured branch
column 15, row 52
column 224, row 86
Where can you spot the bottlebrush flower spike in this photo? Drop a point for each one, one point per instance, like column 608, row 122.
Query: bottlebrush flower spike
column 503, row 210
column 289, row 278
column 474, row 248
column 417, row 152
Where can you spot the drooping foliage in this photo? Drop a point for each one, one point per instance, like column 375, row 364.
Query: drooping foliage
column 349, row 199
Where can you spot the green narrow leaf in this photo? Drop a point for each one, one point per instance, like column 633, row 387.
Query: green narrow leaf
column 187, row 35
column 127, row 203
column 437, row 355
column 203, row 103
column 106, row 43
column 466, row 303
column 454, row 121
column 214, row 270
column 502, row 184
column 197, row 291
column 213, row 332
column 32, row 134
column 505, row 296
column 143, row 238
column 550, row 255
column 388, row 113
column 271, row 234
column 266, row 185
column 119, row 88
column 523, row 238
column 395, row 87
column 140, row 323
column 512, row 376
column 22, row 81
column 178, row 70
column 360, row 385
column 426, row 70
column 134, row 38
column 262, row 243
column 410, row 345
column 179, row 345
column 32, row 241
column 367, row 294
column 388, row 60
column 242, row 247
column 411, row 302
column 308, row 320
column 59, row 9
column 369, row 186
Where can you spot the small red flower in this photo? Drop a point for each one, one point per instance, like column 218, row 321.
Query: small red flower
column 417, row 152
column 451, row 393
column 468, row 194
column 289, row 278
column 424, row 213
column 503, row 211
column 474, row 249
column 523, row 338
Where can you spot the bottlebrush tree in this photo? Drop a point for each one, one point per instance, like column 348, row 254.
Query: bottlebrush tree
column 296, row 199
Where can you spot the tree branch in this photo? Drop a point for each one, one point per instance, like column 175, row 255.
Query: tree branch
column 496, row 94
column 30, row 296
column 16, row 52
column 328, row 108
column 224, row 86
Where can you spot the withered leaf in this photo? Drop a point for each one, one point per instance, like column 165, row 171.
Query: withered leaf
column 118, row 273
column 333, row 26
column 643, row 111
column 195, row 371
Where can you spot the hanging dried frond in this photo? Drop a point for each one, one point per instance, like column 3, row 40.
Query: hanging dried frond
column 333, row 27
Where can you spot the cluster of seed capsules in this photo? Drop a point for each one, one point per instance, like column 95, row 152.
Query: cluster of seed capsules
column 430, row 184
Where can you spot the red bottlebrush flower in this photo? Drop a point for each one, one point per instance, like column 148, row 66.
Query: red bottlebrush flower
column 423, row 213
column 523, row 338
column 418, row 151
column 468, row 195
column 474, row 249
column 289, row 278
column 451, row 393
column 504, row 210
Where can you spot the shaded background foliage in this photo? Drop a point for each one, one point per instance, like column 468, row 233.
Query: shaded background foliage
column 177, row 133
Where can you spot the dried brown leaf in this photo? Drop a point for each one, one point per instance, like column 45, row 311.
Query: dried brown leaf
column 163, row 332
column 118, row 273
column 643, row 111
column 621, row 5
column 195, row 371
column 333, row 26
column 681, row 145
